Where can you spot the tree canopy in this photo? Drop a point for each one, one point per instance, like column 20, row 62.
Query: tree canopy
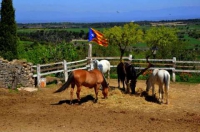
column 123, row 37
column 163, row 38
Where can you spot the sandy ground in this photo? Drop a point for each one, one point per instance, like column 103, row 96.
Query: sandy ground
column 43, row 111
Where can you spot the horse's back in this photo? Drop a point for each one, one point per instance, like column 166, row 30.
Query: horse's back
column 97, row 75
column 106, row 65
column 159, row 76
column 80, row 75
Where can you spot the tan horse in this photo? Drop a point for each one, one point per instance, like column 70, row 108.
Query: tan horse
column 92, row 79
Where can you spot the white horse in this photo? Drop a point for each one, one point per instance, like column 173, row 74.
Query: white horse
column 159, row 77
column 103, row 66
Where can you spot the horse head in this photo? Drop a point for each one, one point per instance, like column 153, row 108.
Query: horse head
column 148, row 85
column 151, row 79
column 132, row 75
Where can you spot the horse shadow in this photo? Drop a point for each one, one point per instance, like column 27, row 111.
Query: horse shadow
column 149, row 98
column 75, row 101
column 139, row 93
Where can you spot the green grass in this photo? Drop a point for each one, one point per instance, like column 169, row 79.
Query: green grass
column 194, row 26
column 192, row 41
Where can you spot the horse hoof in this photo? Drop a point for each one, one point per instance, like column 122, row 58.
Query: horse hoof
column 71, row 103
column 95, row 101
column 160, row 102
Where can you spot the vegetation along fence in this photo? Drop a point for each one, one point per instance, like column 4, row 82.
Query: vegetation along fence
column 171, row 65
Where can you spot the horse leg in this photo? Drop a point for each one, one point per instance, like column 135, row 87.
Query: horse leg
column 153, row 91
column 96, row 88
column 133, row 85
column 118, row 80
column 72, row 93
column 78, row 94
column 166, row 94
column 161, row 93
column 123, row 83
column 127, row 86
column 71, row 96
column 108, row 77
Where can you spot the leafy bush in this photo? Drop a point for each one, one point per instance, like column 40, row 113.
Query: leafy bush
column 41, row 54
column 187, row 77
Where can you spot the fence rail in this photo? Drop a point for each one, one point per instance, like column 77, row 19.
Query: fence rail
column 167, row 64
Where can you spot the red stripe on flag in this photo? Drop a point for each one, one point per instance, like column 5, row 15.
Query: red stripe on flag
column 100, row 39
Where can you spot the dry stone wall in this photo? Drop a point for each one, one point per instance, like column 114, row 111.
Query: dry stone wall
column 16, row 74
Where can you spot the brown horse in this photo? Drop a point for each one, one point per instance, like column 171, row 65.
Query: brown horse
column 92, row 79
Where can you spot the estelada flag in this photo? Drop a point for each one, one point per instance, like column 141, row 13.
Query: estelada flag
column 97, row 37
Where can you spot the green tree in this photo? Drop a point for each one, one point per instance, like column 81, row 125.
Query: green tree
column 123, row 37
column 8, row 31
column 163, row 38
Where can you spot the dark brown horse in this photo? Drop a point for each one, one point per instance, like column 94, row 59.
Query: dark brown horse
column 126, row 72
column 92, row 79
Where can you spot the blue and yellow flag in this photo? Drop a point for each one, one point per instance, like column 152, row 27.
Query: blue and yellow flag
column 97, row 37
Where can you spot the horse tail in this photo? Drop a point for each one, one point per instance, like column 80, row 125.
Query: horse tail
column 108, row 63
column 166, row 79
column 66, row 85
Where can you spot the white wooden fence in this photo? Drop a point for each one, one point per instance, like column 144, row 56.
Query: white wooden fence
column 65, row 67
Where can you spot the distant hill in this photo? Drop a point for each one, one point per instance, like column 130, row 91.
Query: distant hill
column 64, row 25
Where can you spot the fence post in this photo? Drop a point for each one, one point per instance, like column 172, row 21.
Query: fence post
column 130, row 57
column 65, row 70
column 38, row 75
column 90, row 56
column 173, row 70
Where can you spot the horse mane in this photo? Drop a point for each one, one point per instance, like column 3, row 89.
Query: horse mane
column 104, row 83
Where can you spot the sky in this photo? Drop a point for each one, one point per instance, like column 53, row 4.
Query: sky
column 41, row 11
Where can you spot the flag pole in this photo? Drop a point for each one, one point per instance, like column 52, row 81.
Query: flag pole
column 90, row 56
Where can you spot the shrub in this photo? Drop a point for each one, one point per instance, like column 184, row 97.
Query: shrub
column 184, row 77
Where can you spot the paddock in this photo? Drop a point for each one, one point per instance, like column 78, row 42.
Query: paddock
column 43, row 111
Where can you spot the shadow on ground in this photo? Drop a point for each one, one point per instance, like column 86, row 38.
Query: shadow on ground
column 139, row 93
column 149, row 98
column 75, row 101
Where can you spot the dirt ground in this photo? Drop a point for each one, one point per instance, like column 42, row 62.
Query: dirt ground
column 43, row 111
